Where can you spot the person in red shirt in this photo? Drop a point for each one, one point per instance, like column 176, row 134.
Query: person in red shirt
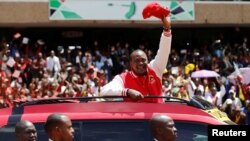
column 144, row 78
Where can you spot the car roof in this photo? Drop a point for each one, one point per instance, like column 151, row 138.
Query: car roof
column 105, row 111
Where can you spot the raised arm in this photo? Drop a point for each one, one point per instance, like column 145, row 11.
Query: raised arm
column 161, row 58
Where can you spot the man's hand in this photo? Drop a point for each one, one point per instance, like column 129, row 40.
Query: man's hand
column 166, row 22
column 134, row 95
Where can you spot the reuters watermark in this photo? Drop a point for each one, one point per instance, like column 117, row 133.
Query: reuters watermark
column 242, row 132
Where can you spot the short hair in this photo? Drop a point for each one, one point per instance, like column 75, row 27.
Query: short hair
column 157, row 121
column 53, row 120
column 133, row 53
column 21, row 125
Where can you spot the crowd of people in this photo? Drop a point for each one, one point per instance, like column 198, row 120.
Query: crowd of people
column 30, row 73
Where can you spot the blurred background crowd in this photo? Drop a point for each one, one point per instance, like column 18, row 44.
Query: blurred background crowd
column 218, row 71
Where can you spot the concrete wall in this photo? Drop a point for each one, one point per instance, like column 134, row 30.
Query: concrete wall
column 36, row 14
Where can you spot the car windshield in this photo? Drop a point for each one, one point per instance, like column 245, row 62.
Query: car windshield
column 201, row 103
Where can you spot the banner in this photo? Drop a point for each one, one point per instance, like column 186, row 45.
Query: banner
column 115, row 9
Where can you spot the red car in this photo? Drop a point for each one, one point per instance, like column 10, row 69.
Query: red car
column 109, row 121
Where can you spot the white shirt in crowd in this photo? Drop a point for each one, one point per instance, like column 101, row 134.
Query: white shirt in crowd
column 53, row 62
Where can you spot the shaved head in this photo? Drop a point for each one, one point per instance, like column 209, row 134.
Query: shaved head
column 59, row 127
column 163, row 128
column 54, row 120
column 158, row 120
column 25, row 131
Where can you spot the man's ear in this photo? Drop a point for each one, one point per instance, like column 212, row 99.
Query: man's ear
column 130, row 65
column 58, row 129
column 159, row 130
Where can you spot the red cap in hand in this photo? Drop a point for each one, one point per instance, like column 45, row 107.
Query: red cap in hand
column 156, row 10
